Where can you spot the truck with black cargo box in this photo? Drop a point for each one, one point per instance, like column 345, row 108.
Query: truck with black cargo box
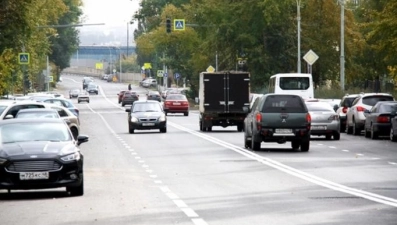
column 222, row 96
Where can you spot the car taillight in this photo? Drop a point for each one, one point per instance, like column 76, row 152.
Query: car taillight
column 360, row 109
column 344, row 110
column 333, row 117
column 167, row 102
column 308, row 121
column 185, row 103
column 383, row 119
column 258, row 120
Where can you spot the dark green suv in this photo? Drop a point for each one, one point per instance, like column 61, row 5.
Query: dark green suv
column 278, row 118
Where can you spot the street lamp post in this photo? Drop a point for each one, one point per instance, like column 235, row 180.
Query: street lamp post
column 298, row 18
column 342, row 44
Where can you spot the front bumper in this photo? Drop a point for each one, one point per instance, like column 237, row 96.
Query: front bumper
column 148, row 125
column 61, row 178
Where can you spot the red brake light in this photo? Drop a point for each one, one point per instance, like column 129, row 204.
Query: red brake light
column 383, row 119
column 360, row 109
column 258, row 120
column 308, row 118
column 344, row 110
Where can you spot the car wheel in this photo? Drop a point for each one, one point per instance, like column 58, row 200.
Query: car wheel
column 88, row 101
column 123, row 104
column 305, row 145
column 163, row 130
column 130, row 130
column 336, row 136
column 78, row 102
column 186, row 114
column 356, row 130
column 209, row 128
column 77, row 191
column 240, row 127
column 201, row 126
column 254, row 144
column 75, row 132
column 374, row 134
column 393, row 137
column 367, row 134
column 328, row 136
column 295, row 145
column 247, row 143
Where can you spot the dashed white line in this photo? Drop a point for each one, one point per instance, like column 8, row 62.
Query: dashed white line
column 141, row 161
column 145, row 166
column 133, row 153
column 392, row 163
column 153, row 176
column 172, row 195
column 331, row 146
column 165, row 189
column 158, row 181
column 180, row 203
column 344, row 150
column 199, row 221
column 149, row 171
column 319, row 144
column 359, row 154
column 137, row 157
column 189, row 212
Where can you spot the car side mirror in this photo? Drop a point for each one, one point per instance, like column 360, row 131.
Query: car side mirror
column 367, row 111
column 81, row 139
column 128, row 110
column 9, row 116
column 246, row 109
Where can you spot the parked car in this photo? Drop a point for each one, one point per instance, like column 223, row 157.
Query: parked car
column 355, row 118
column 149, row 82
column 393, row 126
column 48, row 156
column 378, row 119
column 146, row 115
column 120, row 96
column 65, row 103
column 74, row 93
column 344, row 106
column 154, row 95
column 129, row 97
column 325, row 121
column 9, row 109
column 92, row 88
column 83, row 97
column 176, row 103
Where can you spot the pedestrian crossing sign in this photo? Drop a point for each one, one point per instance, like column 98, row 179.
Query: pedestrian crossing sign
column 179, row 24
column 24, row 58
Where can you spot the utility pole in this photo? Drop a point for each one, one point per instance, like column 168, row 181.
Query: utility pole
column 48, row 75
column 342, row 44
column 298, row 18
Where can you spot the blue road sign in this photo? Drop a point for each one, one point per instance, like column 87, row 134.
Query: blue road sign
column 177, row 76
column 165, row 74
column 179, row 24
column 24, row 58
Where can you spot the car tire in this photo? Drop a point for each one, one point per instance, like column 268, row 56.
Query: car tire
column 305, row 145
column 247, row 143
column 77, row 191
column 240, row 127
column 393, row 136
column 163, row 130
column 328, row 136
column 349, row 130
column 123, row 104
column 336, row 136
column 374, row 134
column 256, row 146
column 130, row 130
column 201, row 126
column 75, row 132
column 356, row 130
column 186, row 113
column 295, row 145
column 209, row 128
column 78, row 102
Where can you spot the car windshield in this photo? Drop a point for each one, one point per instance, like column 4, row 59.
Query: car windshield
column 2, row 108
column 284, row 104
column 146, row 107
column 176, row 97
column 372, row 100
column 319, row 107
column 37, row 114
column 34, row 131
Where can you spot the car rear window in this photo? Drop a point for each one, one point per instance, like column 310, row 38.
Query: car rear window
column 319, row 107
column 372, row 100
column 348, row 101
column 176, row 97
column 284, row 104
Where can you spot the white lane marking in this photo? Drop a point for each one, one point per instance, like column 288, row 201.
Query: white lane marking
column 180, row 203
column 320, row 144
column 137, row 157
column 375, row 158
column 189, row 212
column 91, row 108
column 141, row 161
column 128, row 147
column 392, row 163
column 145, row 166
column 359, row 154
column 149, row 171
column 199, row 221
column 131, row 149
column 133, row 153
column 292, row 171
column 103, row 95
column 165, row 189
column 332, row 147
column 153, row 176
column 158, row 181
column 172, row 195
column 344, row 150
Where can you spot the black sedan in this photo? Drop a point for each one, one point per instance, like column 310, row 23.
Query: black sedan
column 92, row 88
column 154, row 95
column 39, row 154
column 377, row 120
column 146, row 115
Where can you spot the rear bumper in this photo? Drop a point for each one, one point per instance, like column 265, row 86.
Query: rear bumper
column 270, row 135
column 316, row 128
column 382, row 128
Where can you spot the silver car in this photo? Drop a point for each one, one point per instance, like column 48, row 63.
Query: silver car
column 325, row 121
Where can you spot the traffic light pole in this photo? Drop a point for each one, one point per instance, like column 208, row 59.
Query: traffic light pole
column 48, row 75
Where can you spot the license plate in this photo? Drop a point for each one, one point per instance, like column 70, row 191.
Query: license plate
column 147, row 124
column 177, row 103
column 319, row 127
column 284, row 131
column 34, row 176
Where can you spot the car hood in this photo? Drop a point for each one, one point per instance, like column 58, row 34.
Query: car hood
column 147, row 114
column 36, row 148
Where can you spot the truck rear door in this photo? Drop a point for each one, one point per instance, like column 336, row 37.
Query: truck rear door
column 237, row 91
column 214, row 92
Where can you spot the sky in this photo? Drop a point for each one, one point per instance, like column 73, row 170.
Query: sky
column 114, row 13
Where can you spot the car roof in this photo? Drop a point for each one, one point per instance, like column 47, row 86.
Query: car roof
column 38, row 110
column 25, row 102
column 30, row 120
column 146, row 101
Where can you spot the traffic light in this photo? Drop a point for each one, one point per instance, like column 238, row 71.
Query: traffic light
column 168, row 25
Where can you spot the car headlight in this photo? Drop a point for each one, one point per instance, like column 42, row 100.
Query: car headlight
column 2, row 161
column 134, row 119
column 72, row 157
column 162, row 118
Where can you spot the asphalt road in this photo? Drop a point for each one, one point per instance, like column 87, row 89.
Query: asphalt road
column 186, row 176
